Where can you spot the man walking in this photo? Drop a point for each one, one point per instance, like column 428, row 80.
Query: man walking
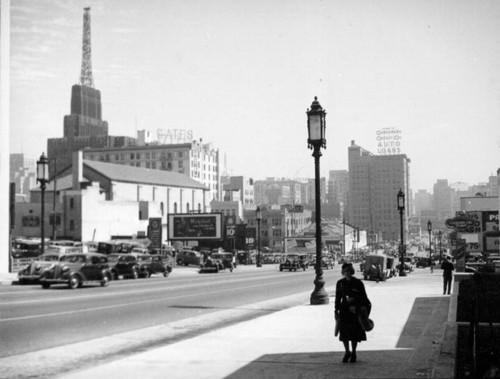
column 447, row 268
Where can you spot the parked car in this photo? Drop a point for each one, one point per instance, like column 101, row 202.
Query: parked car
column 153, row 264
column 124, row 265
column 25, row 248
column 378, row 267
column 191, row 257
column 31, row 273
column 294, row 262
column 74, row 270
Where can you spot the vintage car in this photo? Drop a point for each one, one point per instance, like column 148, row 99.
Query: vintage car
column 26, row 248
column 211, row 265
column 378, row 267
column 123, row 265
column 226, row 259
column 153, row 264
column 191, row 257
column 74, row 270
column 52, row 254
column 294, row 262
column 326, row 262
column 31, row 273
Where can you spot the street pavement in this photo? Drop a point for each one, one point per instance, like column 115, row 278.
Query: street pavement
column 410, row 340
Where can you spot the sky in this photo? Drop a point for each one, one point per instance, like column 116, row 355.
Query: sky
column 241, row 74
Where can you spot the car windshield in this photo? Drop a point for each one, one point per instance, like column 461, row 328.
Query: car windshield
column 74, row 258
column 292, row 258
column 114, row 258
column 143, row 258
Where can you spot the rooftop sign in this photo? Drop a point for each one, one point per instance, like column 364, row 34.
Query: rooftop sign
column 389, row 141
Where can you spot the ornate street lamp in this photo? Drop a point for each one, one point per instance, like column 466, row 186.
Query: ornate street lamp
column 402, row 246
column 316, row 140
column 42, row 176
column 429, row 229
column 258, row 217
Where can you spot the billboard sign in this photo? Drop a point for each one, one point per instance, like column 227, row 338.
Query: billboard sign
column 389, row 141
column 195, row 227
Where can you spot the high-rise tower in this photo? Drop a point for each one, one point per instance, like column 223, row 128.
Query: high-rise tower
column 86, row 78
column 84, row 127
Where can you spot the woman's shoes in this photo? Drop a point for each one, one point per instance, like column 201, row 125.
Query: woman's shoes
column 353, row 357
column 346, row 357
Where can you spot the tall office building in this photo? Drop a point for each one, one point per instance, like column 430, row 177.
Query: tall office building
column 423, row 202
column 84, row 127
column 338, row 188
column 443, row 199
column 374, row 182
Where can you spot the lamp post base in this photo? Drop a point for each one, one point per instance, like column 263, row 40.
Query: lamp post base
column 402, row 273
column 319, row 295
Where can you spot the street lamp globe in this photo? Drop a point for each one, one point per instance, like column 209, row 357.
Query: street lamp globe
column 316, row 125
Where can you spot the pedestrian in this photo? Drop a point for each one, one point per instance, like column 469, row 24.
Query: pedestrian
column 447, row 268
column 350, row 301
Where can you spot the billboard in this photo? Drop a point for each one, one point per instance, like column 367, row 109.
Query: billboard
column 154, row 232
column 195, row 227
column 389, row 141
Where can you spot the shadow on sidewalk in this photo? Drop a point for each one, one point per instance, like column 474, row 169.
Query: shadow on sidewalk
column 414, row 356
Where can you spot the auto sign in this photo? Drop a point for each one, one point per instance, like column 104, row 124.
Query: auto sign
column 461, row 223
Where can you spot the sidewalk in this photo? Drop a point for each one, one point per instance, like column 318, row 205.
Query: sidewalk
column 410, row 317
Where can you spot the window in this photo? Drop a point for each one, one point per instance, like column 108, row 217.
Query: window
column 131, row 155
column 180, row 154
column 153, row 155
column 181, row 164
column 71, row 225
column 148, row 156
column 71, row 203
column 169, row 155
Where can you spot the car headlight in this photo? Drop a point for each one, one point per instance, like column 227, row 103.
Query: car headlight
column 64, row 269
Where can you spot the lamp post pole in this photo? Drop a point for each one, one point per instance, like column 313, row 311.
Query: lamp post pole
column 42, row 176
column 54, row 201
column 402, row 246
column 316, row 132
column 440, row 235
column 258, row 217
column 429, row 229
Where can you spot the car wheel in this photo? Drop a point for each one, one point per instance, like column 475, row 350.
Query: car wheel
column 74, row 282
column 165, row 273
column 216, row 269
column 105, row 280
column 115, row 274
column 281, row 268
column 45, row 285
column 135, row 273
column 147, row 274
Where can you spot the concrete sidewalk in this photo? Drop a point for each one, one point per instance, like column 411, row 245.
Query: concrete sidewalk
column 410, row 316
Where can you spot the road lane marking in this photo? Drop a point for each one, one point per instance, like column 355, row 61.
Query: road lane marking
column 148, row 290
column 127, row 304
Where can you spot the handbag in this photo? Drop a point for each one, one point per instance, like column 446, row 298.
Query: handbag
column 366, row 323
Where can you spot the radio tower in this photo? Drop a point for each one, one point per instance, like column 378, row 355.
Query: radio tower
column 86, row 78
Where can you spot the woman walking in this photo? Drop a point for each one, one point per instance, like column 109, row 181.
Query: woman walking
column 351, row 301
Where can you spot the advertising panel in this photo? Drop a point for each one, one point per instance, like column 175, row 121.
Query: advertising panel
column 154, row 232
column 389, row 141
column 195, row 227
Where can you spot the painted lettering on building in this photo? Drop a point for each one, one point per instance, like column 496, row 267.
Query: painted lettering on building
column 389, row 141
column 171, row 136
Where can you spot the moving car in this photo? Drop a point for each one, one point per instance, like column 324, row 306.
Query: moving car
column 378, row 267
column 153, row 264
column 294, row 262
column 74, row 270
column 211, row 264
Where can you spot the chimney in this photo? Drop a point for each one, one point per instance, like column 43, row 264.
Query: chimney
column 77, row 169
column 352, row 142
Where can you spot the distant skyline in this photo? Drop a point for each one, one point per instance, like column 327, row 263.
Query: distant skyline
column 241, row 74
